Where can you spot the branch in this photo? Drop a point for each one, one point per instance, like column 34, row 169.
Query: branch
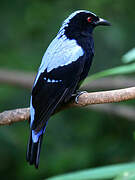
column 25, row 80
column 16, row 78
column 123, row 111
column 8, row 117
column 12, row 116
column 106, row 97
column 110, row 83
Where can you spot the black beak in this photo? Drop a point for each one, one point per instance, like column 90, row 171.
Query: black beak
column 103, row 22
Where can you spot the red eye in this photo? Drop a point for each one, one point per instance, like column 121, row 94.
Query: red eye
column 89, row 19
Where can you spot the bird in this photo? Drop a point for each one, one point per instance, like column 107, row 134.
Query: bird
column 64, row 66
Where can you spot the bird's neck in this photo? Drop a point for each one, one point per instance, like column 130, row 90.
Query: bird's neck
column 83, row 38
column 87, row 43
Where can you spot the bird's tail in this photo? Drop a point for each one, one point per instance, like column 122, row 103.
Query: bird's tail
column 33, row 150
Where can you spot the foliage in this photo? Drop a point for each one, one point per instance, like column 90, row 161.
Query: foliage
column 108, row 172
column 120, row 70
column 129, row 56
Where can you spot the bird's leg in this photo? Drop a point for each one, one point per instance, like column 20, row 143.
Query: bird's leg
column 78, row 93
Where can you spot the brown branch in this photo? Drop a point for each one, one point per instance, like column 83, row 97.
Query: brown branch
column 16, row 78
column 25, row 80
column 106, row 97
column 123, row 111
column 8, row 117
column 110, row 83
column 16, row 115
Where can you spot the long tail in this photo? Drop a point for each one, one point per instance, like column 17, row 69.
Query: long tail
column 33, row 150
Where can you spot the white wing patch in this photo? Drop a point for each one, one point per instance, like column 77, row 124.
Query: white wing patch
column 60, row 52
column 67, row 52
column 52, row 80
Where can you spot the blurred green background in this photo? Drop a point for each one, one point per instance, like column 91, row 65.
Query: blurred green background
column 78, row 138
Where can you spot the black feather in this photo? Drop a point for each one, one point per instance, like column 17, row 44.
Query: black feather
column 45, row 111
column 33, row 150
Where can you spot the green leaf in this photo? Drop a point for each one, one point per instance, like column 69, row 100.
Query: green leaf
column 129, row 56
column 126, row 69
column 127, row 175
column 101, row 173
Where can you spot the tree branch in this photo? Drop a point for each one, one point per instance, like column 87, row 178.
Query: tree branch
column 110, row 83
column 25, row 80
column 123, row 111
column 8, row 117
column 12, row 116
column 16, row 78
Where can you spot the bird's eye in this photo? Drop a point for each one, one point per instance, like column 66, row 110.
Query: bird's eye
column 89, row 19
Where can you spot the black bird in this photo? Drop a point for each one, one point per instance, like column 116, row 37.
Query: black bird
column 64, row 66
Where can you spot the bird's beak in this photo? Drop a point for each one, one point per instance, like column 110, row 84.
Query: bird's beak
column 103, row 22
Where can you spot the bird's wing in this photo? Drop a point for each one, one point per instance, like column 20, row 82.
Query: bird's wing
column 57, row 78
column 60, row 52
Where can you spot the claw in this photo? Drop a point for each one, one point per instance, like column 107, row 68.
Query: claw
column 78, row 94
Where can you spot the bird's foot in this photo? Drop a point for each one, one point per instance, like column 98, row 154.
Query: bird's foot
column 78, row 94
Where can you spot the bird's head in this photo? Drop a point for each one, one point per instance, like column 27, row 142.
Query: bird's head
column 81, row 22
